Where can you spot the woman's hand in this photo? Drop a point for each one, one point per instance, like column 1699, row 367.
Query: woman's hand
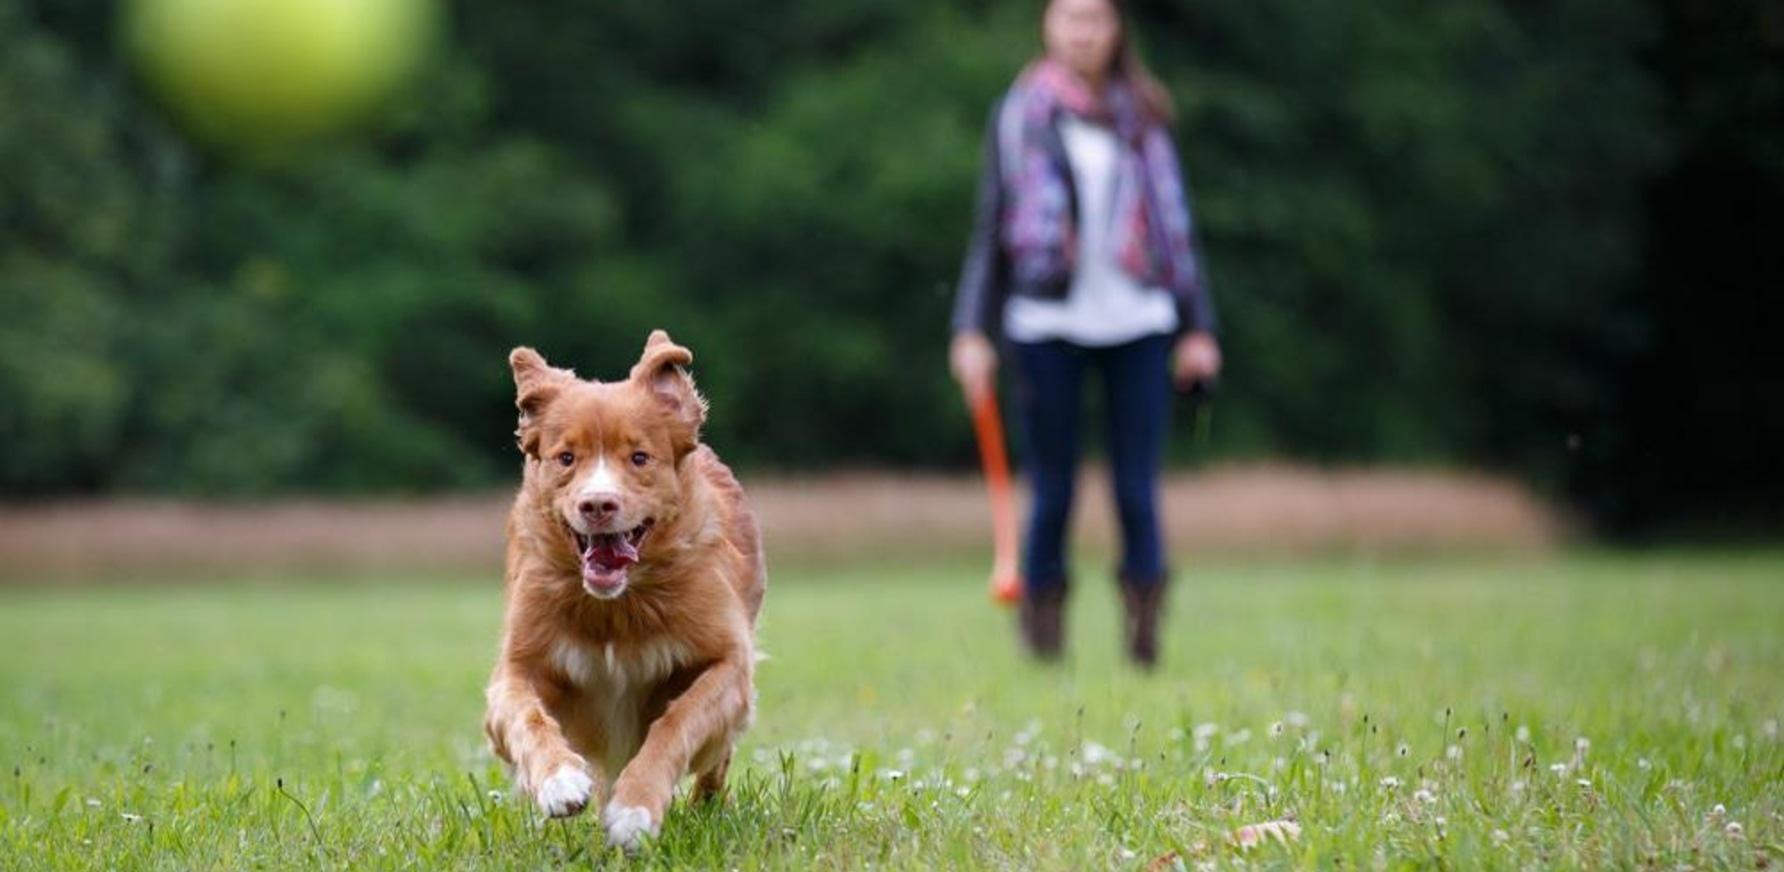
column 1197, row 359
column 974, row 363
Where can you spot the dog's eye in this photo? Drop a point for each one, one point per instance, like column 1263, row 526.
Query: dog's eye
column 639, row 458
column 566, row 458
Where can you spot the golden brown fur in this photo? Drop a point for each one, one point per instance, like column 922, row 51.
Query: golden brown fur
column 613, row 697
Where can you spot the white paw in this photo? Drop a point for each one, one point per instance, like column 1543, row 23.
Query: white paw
column 565, row 793
column 627, row 825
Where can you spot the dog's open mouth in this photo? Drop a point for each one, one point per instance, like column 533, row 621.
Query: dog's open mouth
column 607, row 556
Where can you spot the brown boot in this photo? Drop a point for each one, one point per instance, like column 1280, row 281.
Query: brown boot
column 1143, row 602
column 1041, row 621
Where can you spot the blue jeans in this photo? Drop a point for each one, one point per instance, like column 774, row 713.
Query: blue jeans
column 1048, row 391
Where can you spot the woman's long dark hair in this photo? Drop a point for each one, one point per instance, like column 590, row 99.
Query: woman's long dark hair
column 1127, row 64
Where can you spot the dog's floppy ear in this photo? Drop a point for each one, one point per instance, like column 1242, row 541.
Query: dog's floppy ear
column 536, row 384
column 661, row 371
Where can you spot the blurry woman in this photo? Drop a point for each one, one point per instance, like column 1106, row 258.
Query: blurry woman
column 1082, row 259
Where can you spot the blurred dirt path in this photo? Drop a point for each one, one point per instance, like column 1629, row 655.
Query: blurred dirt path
column 1231, row 511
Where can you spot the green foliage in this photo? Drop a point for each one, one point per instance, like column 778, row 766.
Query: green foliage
column 84, row 203
column 263, row 725
column 1423, row 222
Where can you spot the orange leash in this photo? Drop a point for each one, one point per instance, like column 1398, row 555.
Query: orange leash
column 1006, row 584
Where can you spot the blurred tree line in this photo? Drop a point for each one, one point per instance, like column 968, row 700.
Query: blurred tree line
column 1536, row 236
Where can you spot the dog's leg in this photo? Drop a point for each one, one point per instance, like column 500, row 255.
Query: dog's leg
column 523, row 733
column 713, row 708
column 709, row 779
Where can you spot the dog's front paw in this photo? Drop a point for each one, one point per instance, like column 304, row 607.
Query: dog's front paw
column 628, row 825
column 565, row 793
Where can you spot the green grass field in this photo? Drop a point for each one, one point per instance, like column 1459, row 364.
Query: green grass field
column 1589, row 710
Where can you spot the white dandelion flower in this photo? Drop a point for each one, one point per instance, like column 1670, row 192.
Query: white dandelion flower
column 1390, row 782
column 1454, row 752
column 1205, row 735
column 1403, row 750
column 1733, row 829
column 1523, row 735
column 1096, row 755
column 1424, row 796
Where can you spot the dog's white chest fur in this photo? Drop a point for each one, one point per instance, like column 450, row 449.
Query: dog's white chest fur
column 614, row 681
column 611, row 668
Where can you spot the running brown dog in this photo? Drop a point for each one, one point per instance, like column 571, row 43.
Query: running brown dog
column 634, row 576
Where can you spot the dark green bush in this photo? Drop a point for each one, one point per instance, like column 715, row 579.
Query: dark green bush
column 1427, row 226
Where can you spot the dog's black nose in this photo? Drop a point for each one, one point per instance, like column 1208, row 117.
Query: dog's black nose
column 599, row 506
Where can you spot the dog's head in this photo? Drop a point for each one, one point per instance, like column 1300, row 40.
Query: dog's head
column 606, row 456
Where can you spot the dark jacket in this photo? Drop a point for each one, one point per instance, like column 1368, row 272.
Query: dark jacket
column 986, row 282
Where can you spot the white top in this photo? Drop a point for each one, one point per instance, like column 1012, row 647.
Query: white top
column 1104, row 305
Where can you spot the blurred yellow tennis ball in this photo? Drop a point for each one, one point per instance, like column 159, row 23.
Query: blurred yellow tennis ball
column 265, row 74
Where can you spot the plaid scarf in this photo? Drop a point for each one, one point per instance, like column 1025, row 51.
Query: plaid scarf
column 1150, row 237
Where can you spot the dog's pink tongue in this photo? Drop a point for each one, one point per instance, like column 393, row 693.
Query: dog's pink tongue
column 612, row 551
